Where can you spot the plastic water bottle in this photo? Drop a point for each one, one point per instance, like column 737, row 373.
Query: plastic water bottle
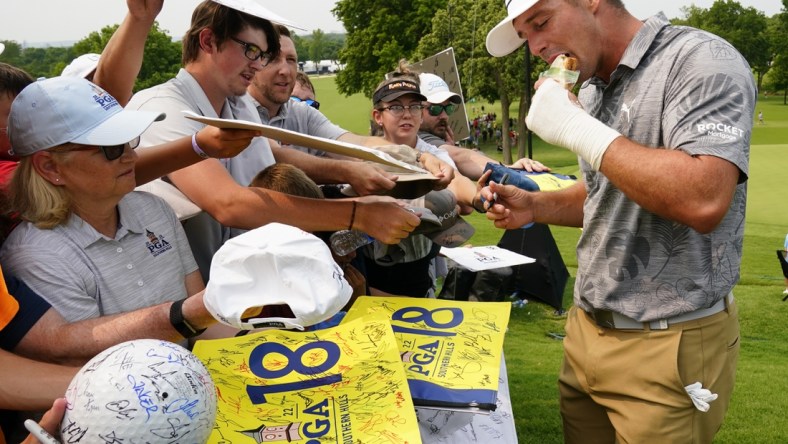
column 345, row 242
column 519, row 303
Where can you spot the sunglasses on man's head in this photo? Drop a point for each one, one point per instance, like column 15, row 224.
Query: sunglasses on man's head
column 436, row 110
column 313, row 103
column 111, row 152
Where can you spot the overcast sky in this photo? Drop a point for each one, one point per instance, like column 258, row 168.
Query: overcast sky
column 34, row 21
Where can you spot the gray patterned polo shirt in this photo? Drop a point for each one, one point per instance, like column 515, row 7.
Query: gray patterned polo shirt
column 675, row 88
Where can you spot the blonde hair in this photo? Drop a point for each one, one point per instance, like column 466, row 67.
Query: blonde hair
column 37, row 201
column 287, row 179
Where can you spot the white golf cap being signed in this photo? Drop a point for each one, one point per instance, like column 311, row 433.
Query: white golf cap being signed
column 255, row 8
column 503, row 39
column 270, row 267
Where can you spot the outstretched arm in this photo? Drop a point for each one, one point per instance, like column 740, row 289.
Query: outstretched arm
column 31, row 385
column 79, row 341
column 237, row 206
column 364, row 177
column 121, row 59
column 471, row 163
column 161, row 160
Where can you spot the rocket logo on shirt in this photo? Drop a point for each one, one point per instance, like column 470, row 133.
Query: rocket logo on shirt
column 156, row 244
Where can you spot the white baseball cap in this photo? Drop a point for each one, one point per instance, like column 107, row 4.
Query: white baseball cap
column 51, row 112
column 254, row 8
column 82, row 66
column 503, row 39
column 275, row 265
column 436, row 89
column 2, row 47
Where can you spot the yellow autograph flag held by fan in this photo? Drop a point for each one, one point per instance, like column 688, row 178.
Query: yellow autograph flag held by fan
column 344, row 384
column 451, row 350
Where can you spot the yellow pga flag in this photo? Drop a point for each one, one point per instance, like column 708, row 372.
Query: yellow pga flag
column 451, row 350
column 339, row 385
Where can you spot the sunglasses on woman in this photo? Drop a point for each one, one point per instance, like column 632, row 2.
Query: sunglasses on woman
column 111, row 152
column 313, row 103
column 435, row 110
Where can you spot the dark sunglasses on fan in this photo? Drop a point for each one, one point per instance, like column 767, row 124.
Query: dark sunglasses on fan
column 435, row 110
column 313, row 103
column 110, row 152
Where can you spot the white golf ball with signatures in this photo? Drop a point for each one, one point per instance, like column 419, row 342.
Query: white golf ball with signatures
column 141, row 391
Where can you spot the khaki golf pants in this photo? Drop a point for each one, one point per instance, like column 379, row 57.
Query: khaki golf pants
column 627, row 386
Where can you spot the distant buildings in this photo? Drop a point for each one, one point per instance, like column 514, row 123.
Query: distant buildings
column 321, row 67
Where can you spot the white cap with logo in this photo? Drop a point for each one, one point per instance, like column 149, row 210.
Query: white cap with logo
column 51, row 112
column 436, row 89
column 503, row 39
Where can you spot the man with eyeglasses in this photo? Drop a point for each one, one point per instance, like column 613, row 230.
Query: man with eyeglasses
column 222, row 51
column 436, row 130
column 272, row 93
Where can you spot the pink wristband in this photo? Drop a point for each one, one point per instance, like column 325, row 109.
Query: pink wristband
column 197, row 148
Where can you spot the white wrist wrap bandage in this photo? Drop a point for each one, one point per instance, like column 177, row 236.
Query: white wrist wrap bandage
column 559, row 121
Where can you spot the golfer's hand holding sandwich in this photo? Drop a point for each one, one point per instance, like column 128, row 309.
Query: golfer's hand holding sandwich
column 557, row 117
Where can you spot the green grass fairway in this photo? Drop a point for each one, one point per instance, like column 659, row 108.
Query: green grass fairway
column 759, row 408
column 352, row 113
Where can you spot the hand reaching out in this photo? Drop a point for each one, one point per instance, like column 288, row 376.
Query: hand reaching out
column 530, row 165
column 438, row 168
column 224, row 143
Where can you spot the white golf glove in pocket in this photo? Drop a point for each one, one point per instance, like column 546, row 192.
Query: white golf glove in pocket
column 700, row 396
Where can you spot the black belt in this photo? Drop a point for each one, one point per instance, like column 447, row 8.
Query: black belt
column 611, row 319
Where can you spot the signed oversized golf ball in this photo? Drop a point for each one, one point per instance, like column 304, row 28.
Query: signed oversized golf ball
column 141, row 391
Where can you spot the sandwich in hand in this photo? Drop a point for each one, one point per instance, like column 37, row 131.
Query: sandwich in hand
column 564, row 71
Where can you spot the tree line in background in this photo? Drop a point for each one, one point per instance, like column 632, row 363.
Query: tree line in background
column 161, row 61
column 162, row 58
column 319, row 46
column 379, row 34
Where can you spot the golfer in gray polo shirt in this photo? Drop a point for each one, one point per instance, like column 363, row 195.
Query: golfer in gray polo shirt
column 662, row 138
